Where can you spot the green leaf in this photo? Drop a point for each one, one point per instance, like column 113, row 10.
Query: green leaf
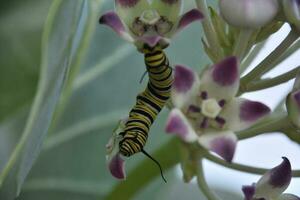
column 20, row 51
column 62, row 36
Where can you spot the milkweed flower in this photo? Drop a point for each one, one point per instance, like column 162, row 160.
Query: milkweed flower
column 142, row 22
column 272, row 184
column 206, row 109
column 292, row 11
column 251, row 14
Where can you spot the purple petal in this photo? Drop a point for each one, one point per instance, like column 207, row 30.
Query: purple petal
column 282, row 174
column 224, row 147
column 249, row 191
column 253, row 110
column 177, row 124
column 226, row 72
column 222, row 143
column 221, row 81
column 127, row 3
column 189, row 17
column 112, row 20
column 184, row 78
column 117, row 167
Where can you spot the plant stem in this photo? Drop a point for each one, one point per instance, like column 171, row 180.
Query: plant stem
column 203, row 186
column 251, row 56
column 209, row 30
column 241, row 167
column 277, row 124
column 268, row 63
column 242, row 43
column 288, row 52
column 267, row 83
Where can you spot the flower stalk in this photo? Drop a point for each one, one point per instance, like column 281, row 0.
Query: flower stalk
column 270, row 82
column 202, row 184
column 209, row 30
column 268, row 63
column 242, row 43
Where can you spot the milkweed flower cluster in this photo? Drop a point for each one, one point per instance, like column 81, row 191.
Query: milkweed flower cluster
column 142, row 22
column 207, row 110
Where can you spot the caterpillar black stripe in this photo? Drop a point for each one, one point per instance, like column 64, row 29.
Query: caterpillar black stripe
column 149, row 103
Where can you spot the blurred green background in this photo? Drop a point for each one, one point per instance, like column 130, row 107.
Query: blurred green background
column 72, row 160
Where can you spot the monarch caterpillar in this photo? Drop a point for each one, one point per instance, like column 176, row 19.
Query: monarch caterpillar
column 149, row 103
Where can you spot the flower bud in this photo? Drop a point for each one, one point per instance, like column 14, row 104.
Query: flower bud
column 248, row 14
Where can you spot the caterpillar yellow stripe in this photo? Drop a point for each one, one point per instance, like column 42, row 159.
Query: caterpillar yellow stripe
column 149, row 103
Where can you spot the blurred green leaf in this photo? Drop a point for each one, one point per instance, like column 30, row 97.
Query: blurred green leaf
column 62, row 36
column 20, row 39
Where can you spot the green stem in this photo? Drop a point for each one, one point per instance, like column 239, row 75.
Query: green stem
column 268, row 63
column 295, row 47
column 277, row 124
column 203, row 186
column 267, row 83
column 251, row 56
column 241, row 167
column 241, row 44
column 209, row 30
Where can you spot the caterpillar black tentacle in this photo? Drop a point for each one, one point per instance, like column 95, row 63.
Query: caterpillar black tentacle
column 148, row 104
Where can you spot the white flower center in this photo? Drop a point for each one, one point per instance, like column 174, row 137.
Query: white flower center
column 150, row 17
column 210, row 108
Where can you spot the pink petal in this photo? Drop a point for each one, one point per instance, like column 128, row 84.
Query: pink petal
column 178, row 124
column 240, row 113
column 222, row 143
column 226, row 72
column 221, row 81
column 185, row 86
column 184, row 78
column 188, row 18
column 117, row 167
column 112, row 20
